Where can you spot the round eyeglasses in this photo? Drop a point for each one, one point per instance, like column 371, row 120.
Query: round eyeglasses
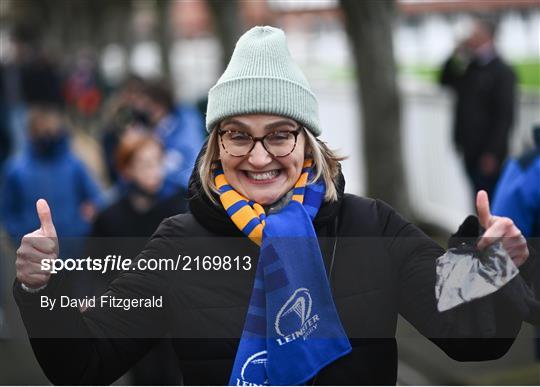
column 278, row 144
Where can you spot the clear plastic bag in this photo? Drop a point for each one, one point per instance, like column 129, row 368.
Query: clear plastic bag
column 464, row 273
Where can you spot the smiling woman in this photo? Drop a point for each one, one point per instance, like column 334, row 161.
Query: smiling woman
column 248, row 164
column 270, row 168
column 331, row 271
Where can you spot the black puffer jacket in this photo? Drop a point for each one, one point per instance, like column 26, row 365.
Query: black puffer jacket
column 378, row 263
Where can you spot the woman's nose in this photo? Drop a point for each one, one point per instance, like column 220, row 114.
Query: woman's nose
column 259, row 157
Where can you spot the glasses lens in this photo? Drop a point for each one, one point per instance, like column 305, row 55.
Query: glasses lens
column 237, row 143
column 280, row 143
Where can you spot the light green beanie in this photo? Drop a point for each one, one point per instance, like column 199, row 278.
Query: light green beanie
column 263, row 78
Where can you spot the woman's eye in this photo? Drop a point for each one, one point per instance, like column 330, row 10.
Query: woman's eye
column 238, row 136
column 279, row 136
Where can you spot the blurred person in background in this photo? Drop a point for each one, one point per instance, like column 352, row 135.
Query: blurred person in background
column 136, row 215
column 5, row 149
column 120, row 113
column 517, row 196
column 30, row 76
column 83, row 87
column 48, row 168
column 485, row 95
column 33, row 132
column 140, row 210
column 180, row 128
column 5, row 135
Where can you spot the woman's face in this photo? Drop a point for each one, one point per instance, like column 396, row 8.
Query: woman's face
column 258, row 175
column 146, row 167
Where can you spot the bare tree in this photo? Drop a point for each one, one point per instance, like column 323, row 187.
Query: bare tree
column 229, row 25
column 164, row 36
column 369, row 27
column 69, row 24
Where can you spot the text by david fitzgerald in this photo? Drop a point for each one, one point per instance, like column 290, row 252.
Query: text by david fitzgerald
column 105, row 301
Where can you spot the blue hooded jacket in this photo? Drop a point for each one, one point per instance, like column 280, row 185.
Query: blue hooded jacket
column 60, row 178
column 517, row 194
column 182, row 136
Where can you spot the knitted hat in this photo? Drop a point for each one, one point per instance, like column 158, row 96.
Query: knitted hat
column 263, row 78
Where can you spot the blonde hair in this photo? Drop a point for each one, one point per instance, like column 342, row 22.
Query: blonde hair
column 325, row 165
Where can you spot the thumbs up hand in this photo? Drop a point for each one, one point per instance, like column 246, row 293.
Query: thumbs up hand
column 45, row 219
column 502, row 229
column 35, row 247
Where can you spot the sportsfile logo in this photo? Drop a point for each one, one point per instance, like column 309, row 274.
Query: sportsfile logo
column 253, row 369
column 294, row 319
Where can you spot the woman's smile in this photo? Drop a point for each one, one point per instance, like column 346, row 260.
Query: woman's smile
column 263, row 177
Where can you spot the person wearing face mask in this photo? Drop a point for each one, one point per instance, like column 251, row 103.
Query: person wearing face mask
column 180, row 129
column 139, row 209
column 135, row 216
column 48, row 169
column 303, row 284
column 484, row 86
column 139, row 160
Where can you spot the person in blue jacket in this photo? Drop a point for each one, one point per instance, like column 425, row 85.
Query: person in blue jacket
column 180, row 128
column 517, row 196
column 47, row 168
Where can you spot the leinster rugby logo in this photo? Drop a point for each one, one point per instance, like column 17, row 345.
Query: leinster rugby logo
column 254, row 369
column 294, row 319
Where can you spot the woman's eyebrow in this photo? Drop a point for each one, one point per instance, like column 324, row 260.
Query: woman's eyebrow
column 279, row 123
column 272, row 125
column 232, row 121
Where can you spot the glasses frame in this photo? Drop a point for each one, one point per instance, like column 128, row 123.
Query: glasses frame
column 295, row 133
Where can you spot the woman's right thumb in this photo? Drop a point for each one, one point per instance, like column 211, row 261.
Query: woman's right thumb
column 45, row 218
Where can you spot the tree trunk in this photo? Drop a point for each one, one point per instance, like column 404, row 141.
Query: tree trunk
column 164, row 37
column 369, row 26
column 228, row 24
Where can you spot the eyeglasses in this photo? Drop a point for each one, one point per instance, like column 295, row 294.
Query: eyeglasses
column 278, row 144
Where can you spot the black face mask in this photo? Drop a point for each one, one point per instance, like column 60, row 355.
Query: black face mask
column 136, row 189
column 49, row 146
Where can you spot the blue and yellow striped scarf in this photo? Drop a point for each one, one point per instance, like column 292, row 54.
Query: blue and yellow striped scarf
column 292, row 328
column 247, row 215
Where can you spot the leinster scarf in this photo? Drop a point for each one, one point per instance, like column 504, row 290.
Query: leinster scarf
column 292, row 329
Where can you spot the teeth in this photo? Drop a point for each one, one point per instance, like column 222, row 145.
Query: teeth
column 262, row 176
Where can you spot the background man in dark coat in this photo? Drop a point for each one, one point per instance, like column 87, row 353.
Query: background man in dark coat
column 484, row 112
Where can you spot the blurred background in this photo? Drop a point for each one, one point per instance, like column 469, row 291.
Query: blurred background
column 92, row 83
